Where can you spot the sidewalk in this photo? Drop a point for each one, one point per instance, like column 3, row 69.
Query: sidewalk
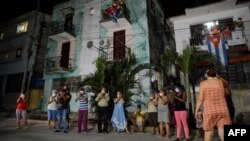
column 38, row 131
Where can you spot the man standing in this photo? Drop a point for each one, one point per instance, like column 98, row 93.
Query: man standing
column 63, row 98
column 102, row 110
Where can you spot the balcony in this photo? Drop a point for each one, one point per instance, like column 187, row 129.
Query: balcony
column 61, row 32
column 121, row 21
column 236, row 38
column 58, row 64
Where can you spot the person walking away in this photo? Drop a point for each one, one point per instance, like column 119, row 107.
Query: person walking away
column 163, row 112
column 152, row 113
column 118, row 119
column 180, row 113
column 82, row 121
column 21, row 111
column 102, row 110
column 51, row 109
column 215, row 114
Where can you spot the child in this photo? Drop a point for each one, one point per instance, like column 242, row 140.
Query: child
column 199, row 123
column 82, row 111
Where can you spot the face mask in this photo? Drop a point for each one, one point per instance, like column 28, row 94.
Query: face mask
column 53, row 94
column 161, row 94
column 22, row 95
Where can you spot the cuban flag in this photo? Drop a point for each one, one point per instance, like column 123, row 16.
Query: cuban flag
column 216, row 45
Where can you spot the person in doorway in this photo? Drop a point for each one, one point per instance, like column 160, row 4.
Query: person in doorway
column 102, row 110
column 21, row 111
column 215, row 114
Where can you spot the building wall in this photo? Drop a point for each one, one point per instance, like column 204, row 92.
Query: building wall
column 12, row 41
column 182, row 25
column 89, row 28
column 240, row 92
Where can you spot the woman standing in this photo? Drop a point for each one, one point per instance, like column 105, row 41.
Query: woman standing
column 180, row 113
column 52, row 109
column 21, row 110
column 118, row 118
column 152, row 112
column 212, row 94
column 163, row 112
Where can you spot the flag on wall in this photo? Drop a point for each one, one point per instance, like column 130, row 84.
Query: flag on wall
column 216, row 45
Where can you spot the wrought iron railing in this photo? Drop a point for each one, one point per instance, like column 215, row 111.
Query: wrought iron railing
column 58, row 62
column 59, row 27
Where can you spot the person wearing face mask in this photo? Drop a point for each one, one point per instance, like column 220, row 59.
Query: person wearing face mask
column 51, row 109
column 21, row 110
column 118, row 119
column 163, row 113
column 82, row 120
column 102, row 110
column 180, row 113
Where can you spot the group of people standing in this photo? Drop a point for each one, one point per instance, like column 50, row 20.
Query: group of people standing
column 214, row 108
column 59, row 109
column 159, row 114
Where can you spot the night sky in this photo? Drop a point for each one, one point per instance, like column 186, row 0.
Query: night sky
column 19, row 7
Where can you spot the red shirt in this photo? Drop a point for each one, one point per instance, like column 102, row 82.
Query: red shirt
column 21, row 104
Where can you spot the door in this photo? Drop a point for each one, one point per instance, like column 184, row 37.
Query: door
column 119, row 44
column 65, row 55
column 68, row 22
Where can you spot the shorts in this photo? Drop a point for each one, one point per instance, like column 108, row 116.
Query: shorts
column 152, row 118
column 21, row 114
column 51, row 114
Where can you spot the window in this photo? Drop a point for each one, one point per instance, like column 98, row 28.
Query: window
column 1, row 35
column 19, row 53
column 22, row 27
column 14, row 83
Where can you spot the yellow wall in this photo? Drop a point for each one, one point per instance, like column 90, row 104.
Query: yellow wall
column 35, row 97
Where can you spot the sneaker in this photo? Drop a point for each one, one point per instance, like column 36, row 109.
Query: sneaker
column 25, row 127
column 64, row 131
column 177, row 139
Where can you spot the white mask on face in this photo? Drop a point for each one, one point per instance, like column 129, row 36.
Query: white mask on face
column 53, row 94
column 22, row 95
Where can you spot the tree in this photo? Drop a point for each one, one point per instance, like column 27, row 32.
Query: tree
column 187, row 62
column 117, row 75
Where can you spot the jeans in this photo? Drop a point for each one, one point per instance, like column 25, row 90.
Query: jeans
column 62, row 119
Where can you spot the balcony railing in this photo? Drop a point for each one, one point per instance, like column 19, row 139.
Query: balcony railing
column 60, row 27
column 124, row 13
column 59, row 64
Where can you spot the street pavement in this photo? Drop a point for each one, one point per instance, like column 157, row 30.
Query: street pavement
column 38, row 131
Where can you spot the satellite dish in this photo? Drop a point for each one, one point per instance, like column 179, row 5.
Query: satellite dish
column 90, row 44
column 101, row 43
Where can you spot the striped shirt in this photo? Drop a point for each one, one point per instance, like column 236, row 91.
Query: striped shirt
column 83, row 102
